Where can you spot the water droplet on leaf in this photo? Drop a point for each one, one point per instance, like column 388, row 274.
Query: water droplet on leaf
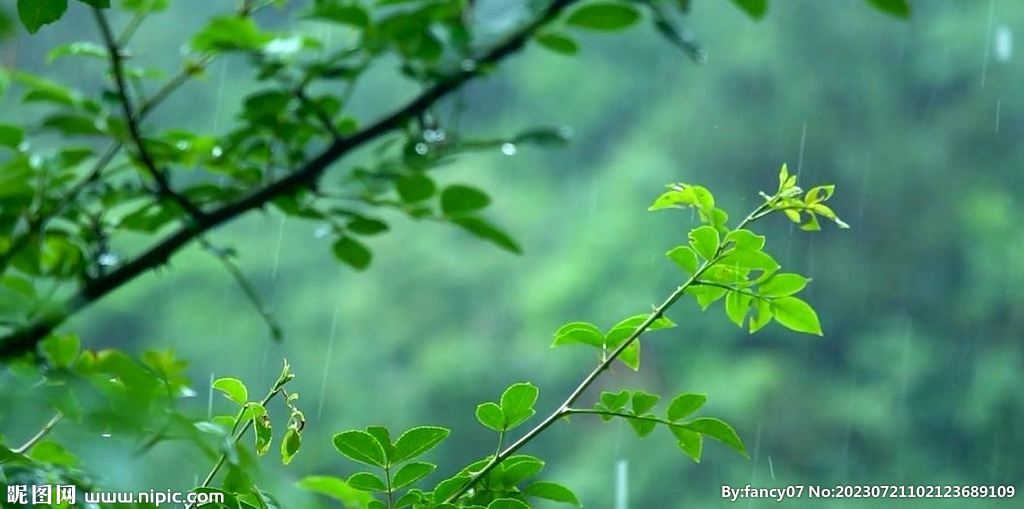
column 509, row 149
column 422, row 149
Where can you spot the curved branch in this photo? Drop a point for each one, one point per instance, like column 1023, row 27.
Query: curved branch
column 25, row 339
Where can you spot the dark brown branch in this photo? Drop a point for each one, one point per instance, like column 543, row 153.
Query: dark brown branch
column 131, row 119
column 24, row 340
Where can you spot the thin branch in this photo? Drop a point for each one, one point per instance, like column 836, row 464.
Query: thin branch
column 47, row 428
column 130, row 118
column 247, row 287
column 25, row 339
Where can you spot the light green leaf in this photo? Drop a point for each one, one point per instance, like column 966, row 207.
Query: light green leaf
column 360, row 446
column 644, row 402
column 717, row 429
column 690, row 442
column 264, row 434
column 579, row 332
column 552, row 491
column 705, row 241
column 796, row 314
column 290, row 445
column 642, row 427
column 736, row 306
column 517, row 403
column 507, row 503
column 630, row 356
column 416, row 442
column 489, row 414
column 62, row 350
column 782, row 285
column 335, row 488
column 228, row 33
column 706, row 295
column 520, row 467
column 614, row 401
column 233, row 388
column 685, row 258
column 684, row 405
column 85, row 48
column 762, row 315
column 366, row 481
column 411, row 473
column 603, row 16
column 745, row 240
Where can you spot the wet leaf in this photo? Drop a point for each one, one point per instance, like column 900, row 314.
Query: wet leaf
column 416, row 442
column 796, row 314
column 607, row 16
column 36, row 13
column 353, row 253
column 705, row 241
column 717, row 429
column 782, row 285
column 756, row 9
column 684, row 405
column 579, row 333
column 411, row 473
column 558, row 43
column 366, row 481
column 459, row 199
column 360, row 446
column 487, row 231
column 552, row 491
column 517, row 404
column 685, row 257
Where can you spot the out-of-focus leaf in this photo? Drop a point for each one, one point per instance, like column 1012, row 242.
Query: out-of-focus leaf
column 36, row 13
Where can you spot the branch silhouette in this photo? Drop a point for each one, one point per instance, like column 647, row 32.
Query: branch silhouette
column 25, row 339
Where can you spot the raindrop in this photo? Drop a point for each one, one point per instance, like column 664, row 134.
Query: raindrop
column 422, row 149
column 35, row 161
column 321, row 232
column 182, row 145
column 187, row 392
column 434, row 135
column 108, row 259
column 700, row 56
column 1003, row 44
column 105, row 434
column 24, row 146
column 468, row 65
column 509, row 149
column 565, row 132
column 217, row 151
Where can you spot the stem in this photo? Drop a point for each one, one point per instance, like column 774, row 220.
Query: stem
column 47, row 428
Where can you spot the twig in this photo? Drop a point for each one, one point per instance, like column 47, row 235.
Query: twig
column 130, row 118
column 26, row 338
column 47, row 428
column 247, row 287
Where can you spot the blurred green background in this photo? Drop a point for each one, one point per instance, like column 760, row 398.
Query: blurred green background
column 916, row 382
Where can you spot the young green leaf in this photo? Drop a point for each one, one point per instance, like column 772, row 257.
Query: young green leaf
column 520, row 467
column 335, row 488
column 754, row 8
column 367, row 481
column 411, row 473
column 631, row 323
column 705, row 241
column 415, row 187
column 579, row 332
column 685, row 258
column 630, row 356
column 762, row 315
column 487, row 231
column 782, row 285
column 552, row 491
column 690, row 442
column 383, row 437
column 264, row 434
column 353, row 253
column 603, row 16
column 898, row 8
column 62, row 350
column 796, row 315
column 706, row 295
column 360, row 446
column 736, row 306
column 717, row 429
column 614, row 401
column 507, row 503
column 416, row 442
column 36, row 13
column 684, row 405
column 290, row 445
column 644, row 402
column 233, row 388
column 489, row 414
column 745, row 240
column 557, row 43
column 517, row 404
column 642, row 427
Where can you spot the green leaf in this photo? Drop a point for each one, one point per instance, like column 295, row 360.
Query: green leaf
column 233, row 388
column 487, row 231
column 264, row 433
column 416, row 442
column 62, row 350
column 290, row 445
column 642, row 427
column 36, row 13
column 819, row 194
column 631, row 323
column 796, row 315
column 458, row 200
column 705, row 241
column 782, row 285
column 411, row 473
column 756, row 9
column 690, row 442
column 614, row 401
column 745, row 240
column 684, row 405
column 552, row 491
column 630, row 356
column 335, row 488
column 707, row 295
column 366, row 481
column 507, row 503
column 70, row 124
column 351, row 14
column 489, row 414
column 415, row 187
column 360, row 446
column 607, row 16
column 898, row 8
column 366, row 226
column 544, row 137
column 85, row 48
column 579, row 332
column 99, row 4
column 447, row 487
column 517, row 404
column 229, row 33
column 684, row 257
column 762, row 315
column 644, row 402
column 558, row 43
column 353, row 253
column 717, row 429
column 736, row 306
column 520, row 467
column 11, row 136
